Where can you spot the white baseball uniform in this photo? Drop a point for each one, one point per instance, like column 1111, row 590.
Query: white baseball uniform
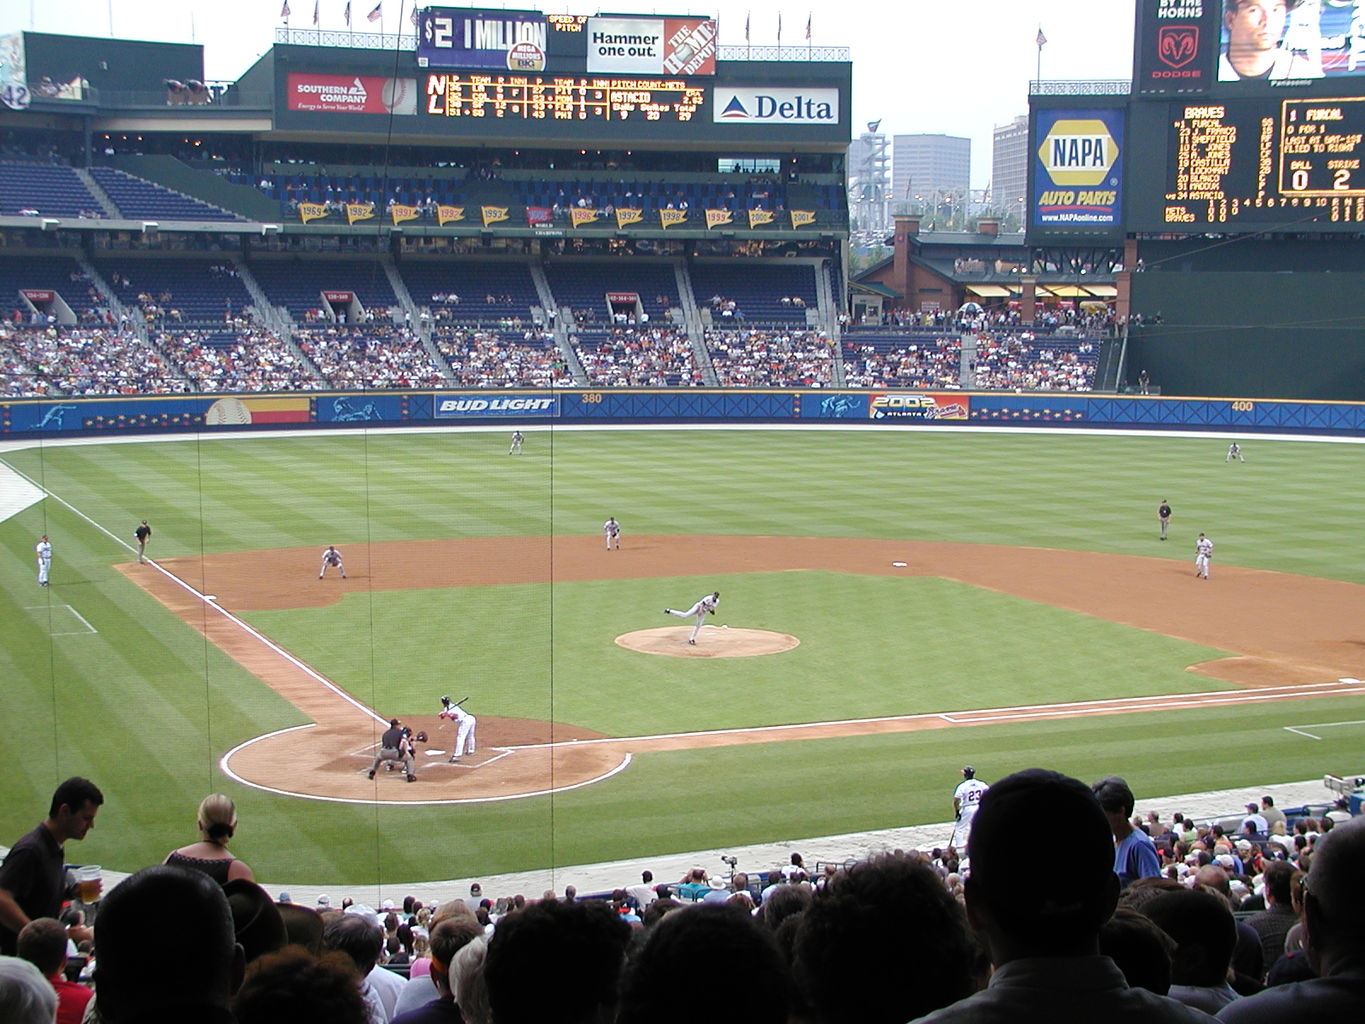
column 464, row 729
column 1203, row 551
column 707, row 605
column 43, row 549
column 518, row 439
column 611, row 532
column 968, row 794
column 1235, row 452
column 332, row 557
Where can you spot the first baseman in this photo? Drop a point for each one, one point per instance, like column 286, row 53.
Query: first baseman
column 611, row 533
column 43, row 549
column 464, row 723
column 1203, row 551
column 700, row 610
column 332, row 557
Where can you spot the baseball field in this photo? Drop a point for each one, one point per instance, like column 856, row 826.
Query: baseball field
column 895, row 603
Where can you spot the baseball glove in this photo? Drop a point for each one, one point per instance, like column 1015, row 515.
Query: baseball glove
column 421, row 737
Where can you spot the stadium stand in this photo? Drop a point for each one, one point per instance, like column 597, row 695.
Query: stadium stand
column 143, row 200
column 36, row 189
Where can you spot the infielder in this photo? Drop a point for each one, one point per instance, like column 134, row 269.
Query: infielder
column 1163, row 515
column 965, row 800
column 1203, row 551
column 518, row 439
column 332, row 557
column 143, row 533
column 43, row 549
column 700, row 610
column 464, row 724
column 1235, row 452
column 611, row 533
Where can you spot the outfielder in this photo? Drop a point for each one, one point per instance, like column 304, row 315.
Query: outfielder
column 965, row 800
column 1203, row 551
column 43, row 549
column 464, row 725
column 332, row 557
column 700, row 610
column 611, row 533
column 1235, row 452
column 518, row 439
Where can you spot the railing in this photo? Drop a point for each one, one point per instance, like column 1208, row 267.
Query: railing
column 1102, row 87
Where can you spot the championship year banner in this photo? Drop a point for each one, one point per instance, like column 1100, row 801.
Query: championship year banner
column 1077, row 170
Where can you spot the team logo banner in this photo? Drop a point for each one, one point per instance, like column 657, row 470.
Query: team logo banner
column 579, row 216
column 447, row 214
column 757, row 218
column 539, row 215
column 917, row 405
column 1176, row 42
column 718, row 218
column 359, row 211
column 509, row 40
column 312, row 211
column 401, row 213
column 624, row 217
column 667, row 218
column 800, row 218
column 493, row 214
column 1077, row 173
column 652, row 46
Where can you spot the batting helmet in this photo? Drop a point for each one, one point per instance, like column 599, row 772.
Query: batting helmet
column 968, row 772
column 445, row 701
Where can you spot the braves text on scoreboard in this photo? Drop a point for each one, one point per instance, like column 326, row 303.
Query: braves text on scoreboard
column 1257, row 162
column 528, row 97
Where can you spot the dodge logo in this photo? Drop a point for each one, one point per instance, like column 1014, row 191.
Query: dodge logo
column 1177, row 45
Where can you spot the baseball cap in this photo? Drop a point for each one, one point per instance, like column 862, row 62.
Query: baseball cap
column 324, row 900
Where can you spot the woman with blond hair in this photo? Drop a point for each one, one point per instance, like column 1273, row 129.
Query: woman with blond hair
column 217, row 822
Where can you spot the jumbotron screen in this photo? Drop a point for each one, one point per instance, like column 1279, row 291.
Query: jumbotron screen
column 1252, row 164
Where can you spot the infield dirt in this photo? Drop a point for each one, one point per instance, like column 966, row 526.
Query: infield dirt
column 1283, row 630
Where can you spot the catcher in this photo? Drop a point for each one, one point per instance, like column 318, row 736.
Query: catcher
column 700, row 610
column 464, row 725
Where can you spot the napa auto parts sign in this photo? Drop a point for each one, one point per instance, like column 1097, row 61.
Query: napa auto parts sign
column 351, row 94
column 652, row 46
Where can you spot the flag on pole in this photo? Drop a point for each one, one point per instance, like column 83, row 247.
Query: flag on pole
column 413, row 16
column 284, row 11
column 377, row 13
column 347, row 14
column 808, row 21
column 779, row 28
column 1042, row 39
column 746, row 26
column 316, row 4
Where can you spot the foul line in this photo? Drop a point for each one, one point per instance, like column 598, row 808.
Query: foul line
column 1299, row 730
column 209, row 602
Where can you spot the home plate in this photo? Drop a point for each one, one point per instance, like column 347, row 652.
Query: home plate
column 712, row 642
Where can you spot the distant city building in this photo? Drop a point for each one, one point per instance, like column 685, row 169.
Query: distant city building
column 1009, row 167
column 927, row 170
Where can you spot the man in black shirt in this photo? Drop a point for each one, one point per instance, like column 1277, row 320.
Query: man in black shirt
column 1163, row 515
column 33, row 876
column 394, row 746
column 143, row 534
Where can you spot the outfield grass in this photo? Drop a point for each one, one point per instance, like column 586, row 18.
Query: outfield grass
column 146, row 707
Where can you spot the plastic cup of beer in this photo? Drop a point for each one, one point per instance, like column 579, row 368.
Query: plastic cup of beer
column 89, row 880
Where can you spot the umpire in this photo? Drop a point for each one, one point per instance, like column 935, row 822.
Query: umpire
column 394, row 747
column 143, row 534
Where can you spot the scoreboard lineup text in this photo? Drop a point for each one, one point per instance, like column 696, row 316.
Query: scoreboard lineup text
column 562, row 98
column 1246, row 161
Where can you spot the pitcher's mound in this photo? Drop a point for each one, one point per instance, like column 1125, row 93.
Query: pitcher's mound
column 712, row 642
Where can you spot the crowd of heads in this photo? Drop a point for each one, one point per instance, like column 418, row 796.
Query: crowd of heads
column 898, row 937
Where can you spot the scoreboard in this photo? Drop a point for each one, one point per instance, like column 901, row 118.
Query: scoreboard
column 1291, row 164
column 563, row 98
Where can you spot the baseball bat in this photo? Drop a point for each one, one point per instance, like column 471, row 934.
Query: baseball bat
column 461, row 701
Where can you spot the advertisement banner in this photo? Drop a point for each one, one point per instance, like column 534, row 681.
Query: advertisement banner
column 774, row 105
column 350, row 94
column 1077, row 169
column 652, row 46
column 477, row 38
column 454, row 407
column 918, row 405
column 1176, row 44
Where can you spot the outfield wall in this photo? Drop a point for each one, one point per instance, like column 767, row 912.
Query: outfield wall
column 121, row 414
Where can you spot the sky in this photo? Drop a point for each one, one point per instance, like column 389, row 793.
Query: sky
column 950, row 67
